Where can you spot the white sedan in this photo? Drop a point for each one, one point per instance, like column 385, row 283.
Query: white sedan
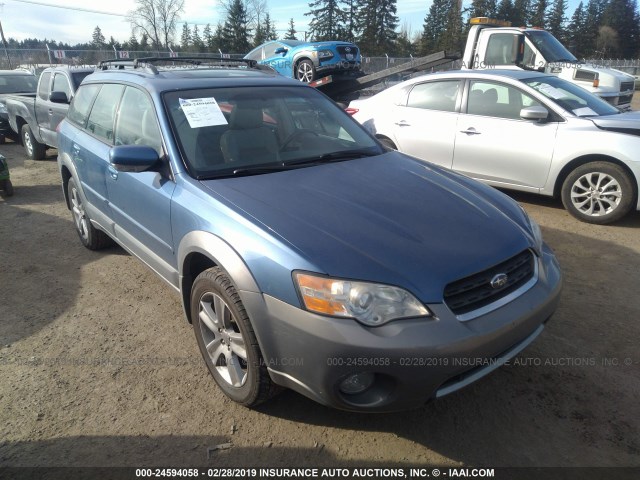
column 519, row 130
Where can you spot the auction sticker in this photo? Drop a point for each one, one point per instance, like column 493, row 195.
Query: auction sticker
column 202, row 112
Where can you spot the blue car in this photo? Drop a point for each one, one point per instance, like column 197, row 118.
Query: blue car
column 306, row 254
column 307, row 61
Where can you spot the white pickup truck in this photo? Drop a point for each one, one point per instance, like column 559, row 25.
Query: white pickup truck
column 496, row 44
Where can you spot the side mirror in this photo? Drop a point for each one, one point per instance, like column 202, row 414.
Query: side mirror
column 58, row 97
column 281, row 50
column 133, row 158
column 534, row 113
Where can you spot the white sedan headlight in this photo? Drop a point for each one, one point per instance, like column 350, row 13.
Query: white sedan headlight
column 370, row 303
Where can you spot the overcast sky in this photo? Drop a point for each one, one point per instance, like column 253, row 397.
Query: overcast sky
column 22, row 19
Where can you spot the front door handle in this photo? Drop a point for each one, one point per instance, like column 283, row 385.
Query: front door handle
column 470, row 131
column 113, row 172
column 403, row 123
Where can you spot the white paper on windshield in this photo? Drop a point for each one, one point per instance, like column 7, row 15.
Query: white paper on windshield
column 584, row 112
column 549, row 91
column 202, row 112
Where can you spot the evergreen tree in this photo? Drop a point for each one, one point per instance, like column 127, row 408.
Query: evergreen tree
column 352, row 23
column 133, row 43
column 622, row 17
column 520, row 16
column 97, row 39
column 259, row 36
column 185, row 38
column 144, row 41
column 575, row 32
column 196, row 40
column 592, row 23
column 380, row 22
column 556, row 20
column 269, row 28
column 291, row 32
column 505, row 10
column 207, row 37
column 483, row 8
column 539, row 13
column 442, row 27
column 236, row 30
column 327, row 19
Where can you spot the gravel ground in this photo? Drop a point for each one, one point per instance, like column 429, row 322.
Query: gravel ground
column 98, row 366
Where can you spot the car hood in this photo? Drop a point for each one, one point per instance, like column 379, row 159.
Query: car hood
column 628, row 122
column 389, row 219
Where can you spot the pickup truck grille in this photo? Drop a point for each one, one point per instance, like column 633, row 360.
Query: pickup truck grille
column 624, row 86
column 475, row 291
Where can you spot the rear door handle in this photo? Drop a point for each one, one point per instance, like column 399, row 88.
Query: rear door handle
column 403, row 123
column 470, row 131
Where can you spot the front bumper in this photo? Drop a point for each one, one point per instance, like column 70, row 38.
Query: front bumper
column 412, row 360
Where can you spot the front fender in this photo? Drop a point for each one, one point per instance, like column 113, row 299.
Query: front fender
column 201, row 244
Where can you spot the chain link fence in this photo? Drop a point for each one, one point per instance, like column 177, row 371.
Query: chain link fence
column 36, row 60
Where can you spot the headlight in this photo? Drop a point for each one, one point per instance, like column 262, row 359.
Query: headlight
column 3, row 108
column 370, row 303
column 324, row 54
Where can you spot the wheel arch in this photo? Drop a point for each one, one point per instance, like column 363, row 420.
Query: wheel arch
column 200, row 251
column 584, row 159
column 381, row 137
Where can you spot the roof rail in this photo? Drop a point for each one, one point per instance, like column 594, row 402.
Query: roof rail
column 150, row 63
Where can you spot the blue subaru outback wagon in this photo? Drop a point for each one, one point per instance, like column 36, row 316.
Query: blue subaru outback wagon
column 307, row 255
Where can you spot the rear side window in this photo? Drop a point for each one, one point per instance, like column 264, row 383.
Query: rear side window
column 440, row 96
column 103, row 114
column 43, row 88
column 81, row 104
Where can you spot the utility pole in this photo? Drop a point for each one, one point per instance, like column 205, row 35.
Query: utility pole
column 4, row 42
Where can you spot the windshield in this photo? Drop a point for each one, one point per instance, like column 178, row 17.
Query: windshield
column 550, row 48
column 570, row 97
column 249, row 130
column 18, row 84
column 78, row 77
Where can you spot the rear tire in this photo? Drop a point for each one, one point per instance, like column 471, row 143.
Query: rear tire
column 598, row 192
column 90, row 236
column 387, row 143
column 34, row 149
column 227, row 341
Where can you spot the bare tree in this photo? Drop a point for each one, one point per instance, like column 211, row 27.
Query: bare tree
column 157, row 19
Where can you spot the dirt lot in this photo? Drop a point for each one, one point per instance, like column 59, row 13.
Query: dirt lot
column 98, row 366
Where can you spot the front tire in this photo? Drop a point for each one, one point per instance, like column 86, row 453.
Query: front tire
column 7, row 188
column 90, row 236
column 34, row 149
column 305, row 71
column 598, row 192
column 227, row 341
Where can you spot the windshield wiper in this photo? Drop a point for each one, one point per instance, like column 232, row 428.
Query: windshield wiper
column 335, row 157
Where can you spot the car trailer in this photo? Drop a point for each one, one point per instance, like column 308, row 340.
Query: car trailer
column 344, row 88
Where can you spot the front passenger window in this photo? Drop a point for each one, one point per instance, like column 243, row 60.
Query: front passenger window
column 137, row 124
column 103, row 113
column 497, row 100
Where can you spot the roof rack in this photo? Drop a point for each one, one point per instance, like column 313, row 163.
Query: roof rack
column 150, row 63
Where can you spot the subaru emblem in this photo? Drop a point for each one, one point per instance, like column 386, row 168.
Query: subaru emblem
column 347, row 49
column 499, row 281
